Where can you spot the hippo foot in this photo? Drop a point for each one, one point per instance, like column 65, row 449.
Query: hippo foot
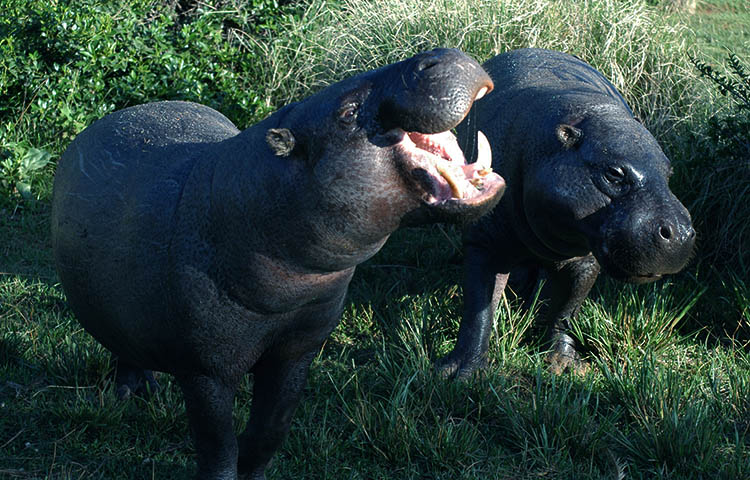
column 564, row 357
column 245, row 472
column 459, row 367
column 250, row 476
column 134, row 381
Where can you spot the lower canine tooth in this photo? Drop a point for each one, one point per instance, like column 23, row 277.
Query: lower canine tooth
column 455, row 188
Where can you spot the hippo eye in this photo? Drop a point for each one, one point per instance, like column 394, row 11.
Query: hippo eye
column 348, row 113
column 614, row 174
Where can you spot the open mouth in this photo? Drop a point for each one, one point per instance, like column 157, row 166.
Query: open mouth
column 439, row 167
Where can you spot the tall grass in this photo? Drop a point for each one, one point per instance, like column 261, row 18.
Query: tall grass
column 638, row 49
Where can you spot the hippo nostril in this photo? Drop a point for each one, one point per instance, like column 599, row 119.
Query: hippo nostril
column 665, row 232
column 427, row 63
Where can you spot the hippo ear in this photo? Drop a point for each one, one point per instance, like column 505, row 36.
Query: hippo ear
column 281, row 141
column 569, row 135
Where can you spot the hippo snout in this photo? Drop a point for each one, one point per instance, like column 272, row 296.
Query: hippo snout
column 675, row 238
column 441, row 86
column 648, row 244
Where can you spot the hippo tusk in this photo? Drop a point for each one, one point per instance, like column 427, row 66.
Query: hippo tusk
column 484, row 154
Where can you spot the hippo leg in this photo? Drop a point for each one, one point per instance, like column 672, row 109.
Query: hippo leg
column 277, row 389
column 209, row 403
column 483, row 287
column 131, row 380
column 568, row 285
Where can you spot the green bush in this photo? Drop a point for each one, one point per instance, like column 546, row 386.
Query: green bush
column 730, row 133
column 726, row 176
column 65, row 64
column 20, row 166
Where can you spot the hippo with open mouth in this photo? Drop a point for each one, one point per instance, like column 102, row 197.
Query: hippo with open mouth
column 187, row 246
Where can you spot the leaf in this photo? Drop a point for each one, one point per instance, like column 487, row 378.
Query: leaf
column 35, row 159
column 24, row 189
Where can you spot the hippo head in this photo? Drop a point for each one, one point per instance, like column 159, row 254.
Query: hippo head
column 605, row 190
column 378, row 145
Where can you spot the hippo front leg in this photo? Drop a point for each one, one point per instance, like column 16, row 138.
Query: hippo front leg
column 483, row 287
column 569, row 283
column 209, row 403
column 277, row 389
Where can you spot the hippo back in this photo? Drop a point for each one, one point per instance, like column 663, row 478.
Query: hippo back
column 529, row 84
column 117, row 189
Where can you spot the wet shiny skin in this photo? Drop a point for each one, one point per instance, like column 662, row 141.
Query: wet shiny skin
column 187, row 246
column 587, row 191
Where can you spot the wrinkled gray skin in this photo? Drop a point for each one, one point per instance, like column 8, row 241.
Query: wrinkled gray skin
column 587, row 190
column 186, row 246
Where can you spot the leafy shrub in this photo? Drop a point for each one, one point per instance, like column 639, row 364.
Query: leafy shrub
column 65, row 64
column 20, row 166
column 730, row 133
column 258, row 17
column 720, row 171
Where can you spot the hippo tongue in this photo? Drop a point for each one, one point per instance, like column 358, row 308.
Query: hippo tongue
column 459, row 180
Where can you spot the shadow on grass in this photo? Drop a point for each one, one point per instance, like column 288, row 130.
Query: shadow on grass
column 116, row 469
column 25, row 248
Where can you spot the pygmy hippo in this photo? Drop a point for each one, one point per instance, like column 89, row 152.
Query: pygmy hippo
column 587, row 189
column 187, row 246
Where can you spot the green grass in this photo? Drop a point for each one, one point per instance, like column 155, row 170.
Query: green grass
column 722, row 25
column 668, row 394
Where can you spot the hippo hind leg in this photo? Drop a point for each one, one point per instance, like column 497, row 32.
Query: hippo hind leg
column 277, row 389
column 131, row 380
column 568, row 285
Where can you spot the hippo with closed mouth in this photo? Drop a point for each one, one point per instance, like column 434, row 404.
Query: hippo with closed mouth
column 187, row 246
column 587, row 190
